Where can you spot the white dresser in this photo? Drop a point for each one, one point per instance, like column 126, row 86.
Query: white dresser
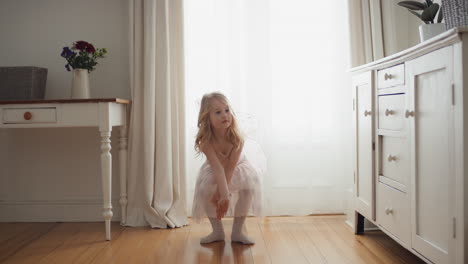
column 410, row 123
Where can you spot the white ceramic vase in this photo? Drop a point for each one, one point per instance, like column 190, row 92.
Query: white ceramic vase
column 80, row 84
column 427, row 31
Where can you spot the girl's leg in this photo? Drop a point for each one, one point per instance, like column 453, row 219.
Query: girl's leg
column 240, row 213
column 216, row 224
column 217, row 234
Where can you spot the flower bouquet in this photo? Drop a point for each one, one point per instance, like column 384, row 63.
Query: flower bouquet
column 82, row 55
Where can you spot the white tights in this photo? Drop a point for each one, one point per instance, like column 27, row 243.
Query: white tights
column 241, row 210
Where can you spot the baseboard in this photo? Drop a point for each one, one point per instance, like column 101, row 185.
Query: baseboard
column 349, row 223
column 61, row 210
column 371, row 229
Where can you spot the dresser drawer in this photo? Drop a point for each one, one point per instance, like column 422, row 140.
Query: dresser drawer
column 29, row 115
column 392, row 112
column 394, row 162
column 390, row 77
column 393, row 212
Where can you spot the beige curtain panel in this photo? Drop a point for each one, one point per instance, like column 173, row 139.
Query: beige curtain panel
column 365, row 31
column 156, row 176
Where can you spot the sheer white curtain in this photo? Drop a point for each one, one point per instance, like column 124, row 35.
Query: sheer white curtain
column 284, row 63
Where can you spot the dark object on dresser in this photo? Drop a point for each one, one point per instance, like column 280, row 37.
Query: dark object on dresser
column 22, row 83
column 455, row 13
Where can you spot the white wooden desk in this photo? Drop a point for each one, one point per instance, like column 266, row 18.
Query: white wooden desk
column 101, row 113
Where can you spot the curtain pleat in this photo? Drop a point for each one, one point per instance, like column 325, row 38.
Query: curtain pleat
column 156, row 177
column 364, row 44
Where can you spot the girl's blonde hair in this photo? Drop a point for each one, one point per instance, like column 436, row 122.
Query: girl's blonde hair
column 205, row 131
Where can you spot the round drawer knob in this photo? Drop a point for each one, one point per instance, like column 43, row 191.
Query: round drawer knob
column 27, row 116
column 391, row 158
column 388, row 211
column 389, row 112
column 409, row 113
column 387, row 76
column 366, row 113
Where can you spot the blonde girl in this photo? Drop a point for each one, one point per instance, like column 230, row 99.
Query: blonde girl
column 227, row 184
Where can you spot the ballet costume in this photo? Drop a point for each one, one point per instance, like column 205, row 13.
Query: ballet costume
column 245, row 194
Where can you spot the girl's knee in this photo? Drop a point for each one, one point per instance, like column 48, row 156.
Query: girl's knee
column 246, row 193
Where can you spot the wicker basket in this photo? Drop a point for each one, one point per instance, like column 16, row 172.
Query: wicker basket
column 22, row 83
column 455, row 13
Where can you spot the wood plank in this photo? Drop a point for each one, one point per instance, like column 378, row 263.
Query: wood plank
column 40, row 248
column 282, row 246
column 134, row 248
column 325, row 245
column 307, row 246
column 307, row 239
column 81, row 238
column 396, row 249
column 95, row 243
column 258, row 251
column 15, row 236
column 370, row 240
column 346, row 234
column 351, row 254
column 172, row 250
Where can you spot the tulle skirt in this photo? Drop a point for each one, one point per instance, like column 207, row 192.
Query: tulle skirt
column 245, row 187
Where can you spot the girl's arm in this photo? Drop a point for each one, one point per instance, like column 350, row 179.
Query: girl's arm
column 232, row 163
column 218, row 171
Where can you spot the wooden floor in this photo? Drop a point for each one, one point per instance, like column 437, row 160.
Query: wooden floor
column 291, row 240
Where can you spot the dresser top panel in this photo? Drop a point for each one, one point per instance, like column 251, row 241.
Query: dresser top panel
column 68, row 101
column 449, row 37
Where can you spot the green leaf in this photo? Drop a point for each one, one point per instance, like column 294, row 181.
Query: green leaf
column 412, row 5
column 429, row 13
column 429, row 3
column 440, row 17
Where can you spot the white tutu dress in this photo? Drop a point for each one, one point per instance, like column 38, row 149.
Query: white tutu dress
column 246, row 181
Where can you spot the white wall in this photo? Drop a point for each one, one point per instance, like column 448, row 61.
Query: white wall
column 54, row 174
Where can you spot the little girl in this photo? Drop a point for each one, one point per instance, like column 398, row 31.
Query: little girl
column 227, row 180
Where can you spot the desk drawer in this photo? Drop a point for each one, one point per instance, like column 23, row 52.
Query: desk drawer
column 29, row 115
column 390, row 77
column 395, row 162
column 393, row 212
column 391, row 112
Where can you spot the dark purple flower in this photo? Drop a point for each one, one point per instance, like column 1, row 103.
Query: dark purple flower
column 67, row 67
column 67, row 53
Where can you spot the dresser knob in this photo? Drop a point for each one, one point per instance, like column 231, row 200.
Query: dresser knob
column 27, row 116
column 387, row 76
column 388, row 211
column 389, row 112
column 391, row 158
column 409, row 113
column 366, row 113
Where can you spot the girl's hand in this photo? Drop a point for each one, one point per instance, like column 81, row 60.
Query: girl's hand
column 214, row 200
column 221, row 208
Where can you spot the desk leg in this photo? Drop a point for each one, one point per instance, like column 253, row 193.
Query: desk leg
column 123, row 173
column 106, row 174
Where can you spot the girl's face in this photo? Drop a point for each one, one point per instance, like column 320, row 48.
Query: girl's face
column 220, row 114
